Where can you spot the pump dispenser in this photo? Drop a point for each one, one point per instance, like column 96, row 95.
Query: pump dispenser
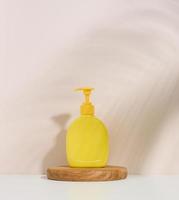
column 87, row 137
column 87, row 107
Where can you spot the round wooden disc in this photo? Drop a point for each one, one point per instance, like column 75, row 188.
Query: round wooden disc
column 108, row 173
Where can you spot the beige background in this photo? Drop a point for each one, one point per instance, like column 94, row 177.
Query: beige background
column 127, row 50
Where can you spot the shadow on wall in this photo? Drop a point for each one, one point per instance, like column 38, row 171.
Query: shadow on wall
column 57, row 155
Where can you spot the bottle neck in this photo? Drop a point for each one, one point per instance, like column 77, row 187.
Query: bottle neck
column 87, row 109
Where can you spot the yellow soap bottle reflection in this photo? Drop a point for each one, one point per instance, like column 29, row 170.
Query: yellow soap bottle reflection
column 87, row 142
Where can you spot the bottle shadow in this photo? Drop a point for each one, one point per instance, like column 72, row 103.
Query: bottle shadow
column 57, row 154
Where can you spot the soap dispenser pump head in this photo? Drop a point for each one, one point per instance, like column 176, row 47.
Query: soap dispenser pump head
column 87, row 107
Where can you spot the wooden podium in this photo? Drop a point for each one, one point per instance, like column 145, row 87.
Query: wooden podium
column 65, row 173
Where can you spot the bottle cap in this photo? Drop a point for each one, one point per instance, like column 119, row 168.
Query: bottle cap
column 87, row 107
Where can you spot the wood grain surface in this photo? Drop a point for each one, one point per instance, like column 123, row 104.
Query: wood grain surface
column 65, row 173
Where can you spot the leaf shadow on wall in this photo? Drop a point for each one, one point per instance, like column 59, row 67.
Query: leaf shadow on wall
column 145, row 80
column 138, row 133
column 57, row 154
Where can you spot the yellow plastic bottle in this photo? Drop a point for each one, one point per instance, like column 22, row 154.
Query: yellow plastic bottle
column 87, row 138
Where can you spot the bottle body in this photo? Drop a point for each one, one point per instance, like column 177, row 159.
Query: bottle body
column 87, row 143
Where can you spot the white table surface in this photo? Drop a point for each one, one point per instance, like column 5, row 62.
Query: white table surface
column 36, row 187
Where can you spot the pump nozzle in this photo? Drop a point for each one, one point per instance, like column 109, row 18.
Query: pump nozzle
column 86, row 108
